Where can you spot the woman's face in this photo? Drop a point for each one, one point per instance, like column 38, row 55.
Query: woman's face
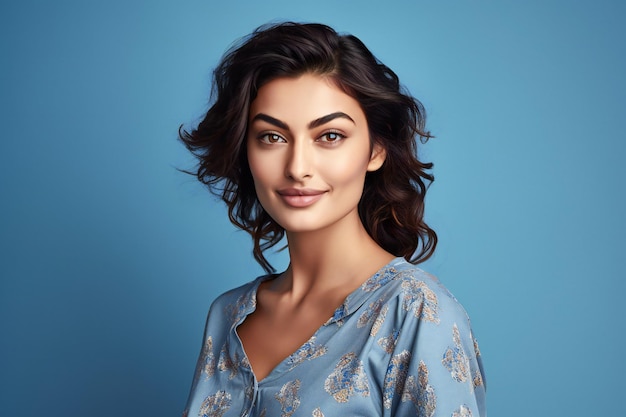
column 309, row 150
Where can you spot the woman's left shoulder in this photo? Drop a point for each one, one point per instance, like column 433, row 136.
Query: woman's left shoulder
column 424, row 291
column 426, row 333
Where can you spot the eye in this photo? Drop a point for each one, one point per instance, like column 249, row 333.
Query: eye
column 271, row 138
column 331, row 137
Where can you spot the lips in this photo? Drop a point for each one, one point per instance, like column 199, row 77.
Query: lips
column 300, row 197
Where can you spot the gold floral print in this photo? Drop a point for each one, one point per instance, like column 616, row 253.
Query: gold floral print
column 379, row 321
column 389, row 343
column 379, row 279
column 477, row 376
column 209, row 361
column 228, row 364
column 288, row 398
column 463, row 411
column 395, row 377
column 386, row 374
column 248, row 392
column 370, row 312
column 338, row 316
column 215, row 405
column 420, row 299
column 347, row 379
column 455, row 360
column 477, row 379
column 309, row 351
column 238, row 310
column 476, row 348
column 318, row 413
column 421, row 394
column 245, row 363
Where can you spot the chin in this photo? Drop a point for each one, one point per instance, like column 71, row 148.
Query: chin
column 299, row 226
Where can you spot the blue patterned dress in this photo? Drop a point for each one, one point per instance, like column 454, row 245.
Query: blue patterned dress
column 399, row 345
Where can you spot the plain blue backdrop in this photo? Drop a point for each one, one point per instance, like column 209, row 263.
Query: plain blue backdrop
column 110, row 257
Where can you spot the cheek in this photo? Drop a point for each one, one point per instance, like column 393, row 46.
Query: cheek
column 258, row 167
column 347, row 171
column 265, row 174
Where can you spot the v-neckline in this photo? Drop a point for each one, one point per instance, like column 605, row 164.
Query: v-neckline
column 351, row 303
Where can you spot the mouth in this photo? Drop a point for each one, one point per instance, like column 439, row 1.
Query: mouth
column 300, row 197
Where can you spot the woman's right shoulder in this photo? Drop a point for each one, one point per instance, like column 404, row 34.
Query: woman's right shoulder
column 237, row 299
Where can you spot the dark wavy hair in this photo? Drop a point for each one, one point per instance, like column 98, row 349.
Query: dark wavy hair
column 392, row 205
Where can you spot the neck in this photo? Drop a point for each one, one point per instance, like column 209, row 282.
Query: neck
column 342, row 255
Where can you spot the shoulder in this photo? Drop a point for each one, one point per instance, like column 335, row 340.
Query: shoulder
column 237, row 302
column 428, row 336
column 416, row 291
column 234, row 294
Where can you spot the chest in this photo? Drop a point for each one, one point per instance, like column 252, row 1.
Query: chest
column 269, row 338
column 332, row 373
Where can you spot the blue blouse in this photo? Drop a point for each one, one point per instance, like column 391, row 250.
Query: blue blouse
column 399, row 345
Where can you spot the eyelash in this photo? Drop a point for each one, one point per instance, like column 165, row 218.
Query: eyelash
column 265, row 138
column 339, row 137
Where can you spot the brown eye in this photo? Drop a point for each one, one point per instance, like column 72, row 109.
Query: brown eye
column 331, row 137
column 271, row 138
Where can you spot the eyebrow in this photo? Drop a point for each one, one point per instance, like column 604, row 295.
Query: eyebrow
column 325, row 119
column 315, row 123
column 270, row 120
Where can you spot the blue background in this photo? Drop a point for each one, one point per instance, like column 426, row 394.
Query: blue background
column 110, row 257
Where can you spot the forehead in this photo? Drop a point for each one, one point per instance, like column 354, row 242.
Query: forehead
column 304, row 98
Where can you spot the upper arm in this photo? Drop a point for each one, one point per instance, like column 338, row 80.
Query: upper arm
column 435, row 368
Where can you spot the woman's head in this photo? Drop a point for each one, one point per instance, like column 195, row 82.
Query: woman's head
column 309, row 152
column 392, row 204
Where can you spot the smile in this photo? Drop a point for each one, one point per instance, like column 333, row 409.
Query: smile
column 300, row 197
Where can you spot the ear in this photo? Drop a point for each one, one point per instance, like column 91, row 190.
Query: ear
column 377, row 158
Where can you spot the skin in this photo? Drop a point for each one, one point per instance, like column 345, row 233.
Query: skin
column 306, row 136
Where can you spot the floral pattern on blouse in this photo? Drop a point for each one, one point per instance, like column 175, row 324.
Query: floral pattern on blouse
column 400, row 333
column 215, row 405
column 228, row 364
column 379, row 321
column 371, row 312
column 209, row 358
column 397, row 373
column 347, row 379
column 455, row 360
column 463, row 411
column 389, row 343
column 288, row 398
column 317, row 413
column 309, row 351
column 421, row 394
column 421, row 300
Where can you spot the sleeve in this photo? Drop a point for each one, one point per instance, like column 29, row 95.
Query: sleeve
column 223, row 310
column 223, row 313
column 435, row 369
column 205, row 358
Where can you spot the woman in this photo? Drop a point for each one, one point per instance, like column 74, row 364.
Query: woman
column 310, row 137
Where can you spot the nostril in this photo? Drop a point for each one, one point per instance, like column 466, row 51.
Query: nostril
column 298, row 165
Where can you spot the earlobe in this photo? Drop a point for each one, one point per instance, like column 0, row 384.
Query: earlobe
column 379, row 154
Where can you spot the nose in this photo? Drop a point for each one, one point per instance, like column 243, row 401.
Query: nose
column 299, row 161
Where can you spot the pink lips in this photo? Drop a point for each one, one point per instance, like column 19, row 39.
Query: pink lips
column 300, row 197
